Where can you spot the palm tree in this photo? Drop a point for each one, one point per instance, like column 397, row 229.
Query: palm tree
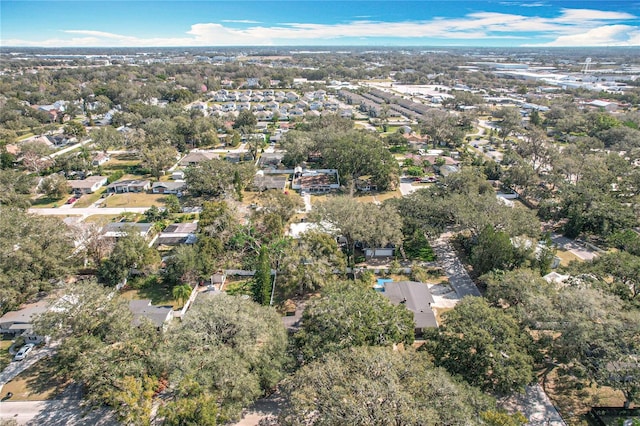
column 181, row 292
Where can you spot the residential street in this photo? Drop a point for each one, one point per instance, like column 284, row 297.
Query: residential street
column 89, row 211
column 453, row 268
column 55, row 412
column 70, row 148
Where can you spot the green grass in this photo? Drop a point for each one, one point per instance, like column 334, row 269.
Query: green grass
column 159, row 293
column 241, row 287
column 48, row 203
column 5, row 356
column 88, row 199
column 40, row 382
column 135, row 199
column 417, row 248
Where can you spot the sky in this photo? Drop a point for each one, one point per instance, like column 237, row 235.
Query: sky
column 146, row 23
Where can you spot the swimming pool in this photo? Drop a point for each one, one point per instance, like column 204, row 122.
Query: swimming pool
column 380, row 283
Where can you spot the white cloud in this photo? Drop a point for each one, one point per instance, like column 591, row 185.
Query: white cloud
column 608, row 35
column 575, row 16
column 240, row 21
column 572, row 27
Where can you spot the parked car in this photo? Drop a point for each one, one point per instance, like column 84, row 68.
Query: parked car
column 72, row 200
column 23, row 352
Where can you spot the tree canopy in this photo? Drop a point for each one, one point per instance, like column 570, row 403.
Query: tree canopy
column 36, row 253
column 346, row 315
column 231, row 348
column 379, row 386
column 485, row 346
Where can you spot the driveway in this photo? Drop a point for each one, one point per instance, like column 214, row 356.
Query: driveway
column 17, row 367
column 262, row 409
column 453, row 268
column 576, row 247
column 535, row 405
column 406, row 186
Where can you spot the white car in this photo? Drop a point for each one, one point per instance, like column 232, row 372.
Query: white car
column 23, row 352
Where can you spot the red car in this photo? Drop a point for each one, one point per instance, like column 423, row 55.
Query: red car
column 72, row 200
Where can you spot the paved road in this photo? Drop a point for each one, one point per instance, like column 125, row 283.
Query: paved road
column 70, row 148
column 89, row 211
column 453, row 268
column 55, row 412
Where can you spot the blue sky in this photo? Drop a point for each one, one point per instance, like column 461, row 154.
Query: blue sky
column 107, row 23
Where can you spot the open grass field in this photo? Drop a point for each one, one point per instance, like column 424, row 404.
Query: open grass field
column 37, row 383
column 135, row 200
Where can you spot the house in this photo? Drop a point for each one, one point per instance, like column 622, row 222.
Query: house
column 89, row 185
column 262, row 182
column 244, row 106
column 270, row 159
column 262, row 126
column 195, row 157
column 296, row 112
column 20, row 322
column 291, row 96
column 144, row 310
column 417, row 298
column 605, row 105
column 120, row 229
column 379, row 252
column 178, row 233
column 365, row 184
column 172, row 187
column 554, row 277
column 447, row 169
column 126, row 186
column 100, row 159
column 315, row 181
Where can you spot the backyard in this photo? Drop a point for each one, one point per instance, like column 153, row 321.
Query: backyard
column 159, row 292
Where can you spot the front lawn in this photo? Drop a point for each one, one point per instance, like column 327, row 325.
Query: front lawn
column 49, row 203
column 132, row 199
column 40, row 382
column 88, row 199
column 5, row 356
